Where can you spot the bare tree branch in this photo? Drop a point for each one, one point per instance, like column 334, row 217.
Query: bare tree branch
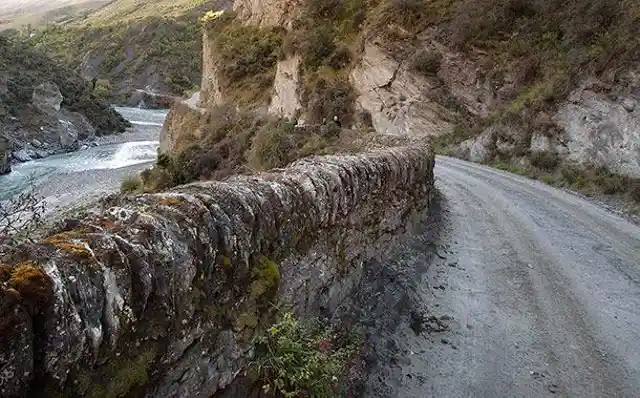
column 20, row 217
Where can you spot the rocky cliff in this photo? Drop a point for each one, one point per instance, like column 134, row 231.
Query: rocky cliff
column 160, row 295
column 442, row 70
column 46, row 108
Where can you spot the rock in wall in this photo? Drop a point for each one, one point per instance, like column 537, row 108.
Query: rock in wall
column 161, row 294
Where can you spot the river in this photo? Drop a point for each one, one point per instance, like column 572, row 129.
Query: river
column 87, row 174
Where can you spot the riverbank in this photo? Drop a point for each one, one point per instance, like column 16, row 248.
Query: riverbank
column 72, row 179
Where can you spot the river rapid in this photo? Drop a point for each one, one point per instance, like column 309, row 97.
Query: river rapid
column 77, row 177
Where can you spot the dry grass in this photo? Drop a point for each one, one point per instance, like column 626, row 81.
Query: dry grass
column 247, row 57
column 235, row 142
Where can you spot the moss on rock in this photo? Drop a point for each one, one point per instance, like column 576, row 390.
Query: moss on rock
column 34, row 286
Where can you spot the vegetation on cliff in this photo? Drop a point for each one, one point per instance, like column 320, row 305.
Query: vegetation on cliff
column 22, row 69
column 247, row 56
column 536, row 53
column 237, row 142
column 326, row 35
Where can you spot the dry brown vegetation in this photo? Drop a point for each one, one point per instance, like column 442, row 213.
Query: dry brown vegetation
column 233, row 142
column 247, row 56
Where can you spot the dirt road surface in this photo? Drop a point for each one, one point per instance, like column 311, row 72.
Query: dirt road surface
column 520, row 290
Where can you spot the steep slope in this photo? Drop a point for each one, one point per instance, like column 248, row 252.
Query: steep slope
column 45, row 107
column 16, row 14
column 133, row 44
column 546, row 88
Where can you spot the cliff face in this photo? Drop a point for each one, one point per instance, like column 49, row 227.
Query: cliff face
column 161, row 294
column 417, row 79
column 395, row 96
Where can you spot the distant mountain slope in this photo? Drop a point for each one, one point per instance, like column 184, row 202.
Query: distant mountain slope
column 21, row 13
column 134, row 44
column 120, row 11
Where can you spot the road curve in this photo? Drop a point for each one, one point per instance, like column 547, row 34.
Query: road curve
column 543, row 289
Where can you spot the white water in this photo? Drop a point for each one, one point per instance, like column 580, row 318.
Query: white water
column 73, row 167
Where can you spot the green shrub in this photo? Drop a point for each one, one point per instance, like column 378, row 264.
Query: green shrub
column 608, row 182
column 273, row 146
column 317, row 47
column 103, row 90
column 547, row 179
column 131, row 185
column 297, row 358
column 427, row 62
column 547, row 160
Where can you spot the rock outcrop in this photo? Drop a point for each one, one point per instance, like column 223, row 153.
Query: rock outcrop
column 146, row 99
column 210, row 88
column 597, row 126
column 267, row 12
column 47, row 98
column 395, row 96
column 183, row 121
column 286, row 98
column 161, row 294
column 602, row 130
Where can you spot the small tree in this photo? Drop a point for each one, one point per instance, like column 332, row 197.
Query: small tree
column 102, row 89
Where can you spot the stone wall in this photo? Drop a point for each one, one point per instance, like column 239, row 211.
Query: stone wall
column 160, row 295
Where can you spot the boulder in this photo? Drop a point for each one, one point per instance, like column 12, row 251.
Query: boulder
column 477, row 149
column 47, row 98
column 73, row 127
column 150, row 100
column 23, row 155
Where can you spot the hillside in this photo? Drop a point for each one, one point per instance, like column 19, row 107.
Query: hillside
column 492, row 81
column 45, row 107
column 544, row 88
column 19, row 14
column 133, row 44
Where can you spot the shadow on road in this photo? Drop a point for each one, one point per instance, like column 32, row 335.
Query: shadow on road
column 391, row 296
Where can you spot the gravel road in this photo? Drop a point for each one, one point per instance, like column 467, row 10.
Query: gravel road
column 523, row 291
